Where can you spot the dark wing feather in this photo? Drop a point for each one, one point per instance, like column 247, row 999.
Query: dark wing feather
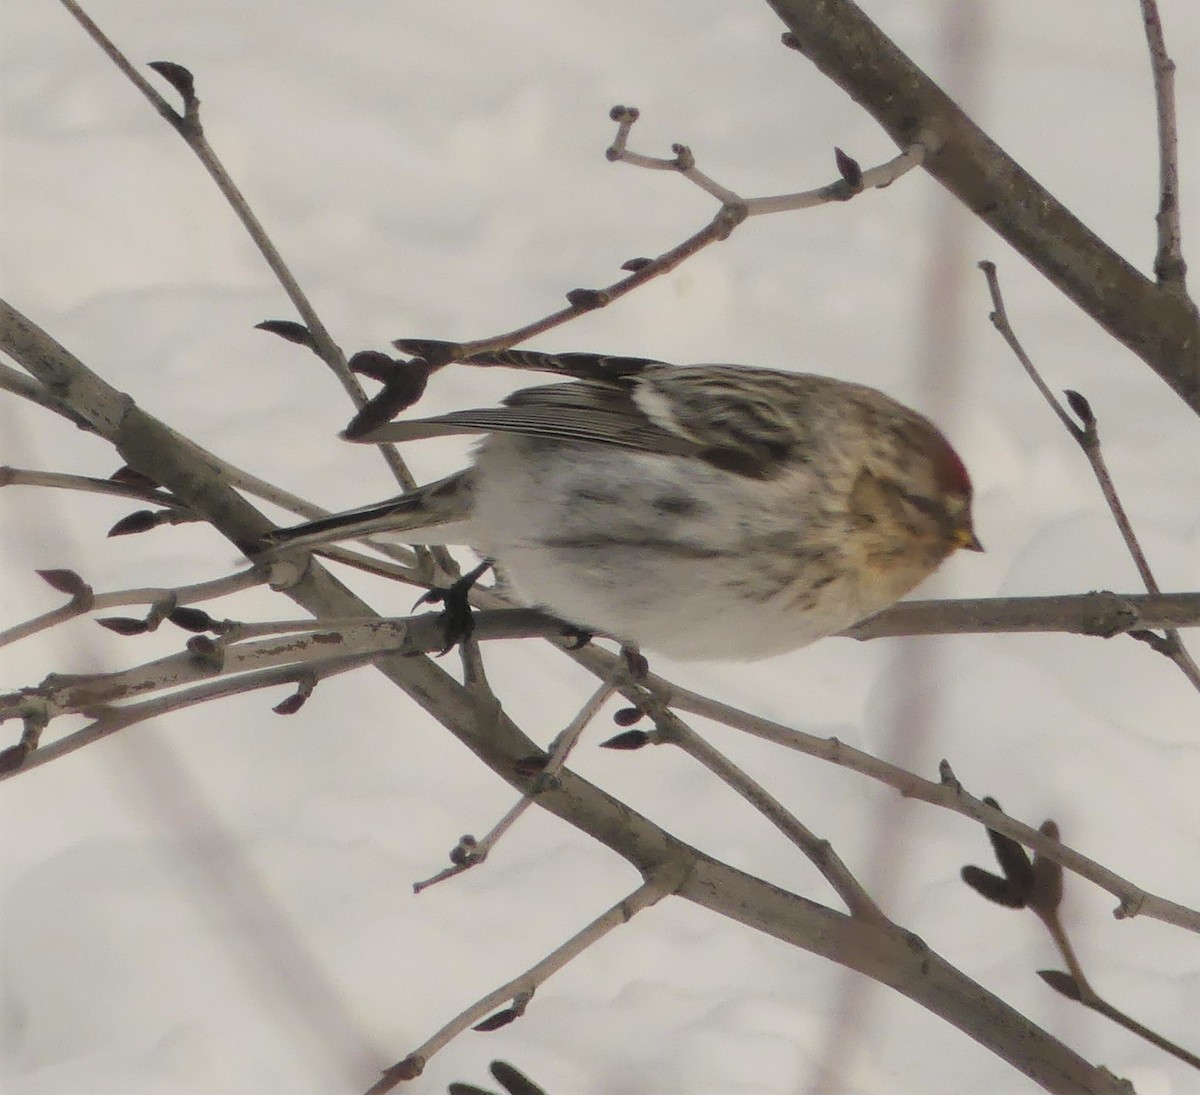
column 750, row 422
column 585, row 411
column 581, row 366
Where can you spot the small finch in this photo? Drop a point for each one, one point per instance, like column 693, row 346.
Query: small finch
column 699, row 511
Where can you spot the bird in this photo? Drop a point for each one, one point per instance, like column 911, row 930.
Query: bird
column 700, row 512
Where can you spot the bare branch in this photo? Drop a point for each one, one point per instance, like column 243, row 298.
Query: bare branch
column 819, row 852
column 188, row 126
column 947, row 793
column 470, row 852
column 520, row 989
column 1169, row 266
column 1162, row 327
column 734, row 209
column 1038, row 887
column 108, row 720
column 182, row 595
column 25, row 477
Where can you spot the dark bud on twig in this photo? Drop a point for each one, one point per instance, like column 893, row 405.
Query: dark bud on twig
column 288, row 329
column 1082, row 408
column 142, row 520
column 532, row 765
column 627, row 716
column 464, row 851
column 193, row 619
column 1012, row 890
column 992, row 887
column 631, row 739
column 204, row 649
column 132, row 478
column 848, row 167
column 791, row 41
column 181, row 80
column 633, row 265
column 498, row 1020
column 586, row 300
column 1047, row 889
column 304, row 688
column 291, row 705
column 124, row 625
column 373, row 364
column 624, row 113
column 399, row 393
column 685, row 160
column 1062, row 983
column 408, row 1069
column 1012, row 857
column 65, row 581
column 513, row 1081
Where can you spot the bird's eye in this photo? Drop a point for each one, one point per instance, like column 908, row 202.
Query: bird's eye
column 926, row 506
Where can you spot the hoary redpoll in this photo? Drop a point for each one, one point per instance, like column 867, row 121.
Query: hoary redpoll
column 700, row 511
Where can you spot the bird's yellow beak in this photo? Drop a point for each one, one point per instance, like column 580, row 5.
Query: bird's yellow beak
column 964, row 537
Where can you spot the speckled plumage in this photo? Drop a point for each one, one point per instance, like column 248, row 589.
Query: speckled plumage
column 706, row 511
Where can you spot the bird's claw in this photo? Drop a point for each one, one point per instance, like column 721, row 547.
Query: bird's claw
column 456, row 618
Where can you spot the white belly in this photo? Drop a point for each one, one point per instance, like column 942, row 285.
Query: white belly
column 669, row 553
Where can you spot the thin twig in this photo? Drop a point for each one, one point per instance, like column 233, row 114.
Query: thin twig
column 820, row 852
column 27, row 477
column 734, row 209
column 945, row 793
column 1099, row 1004
column 94, row 602
column 470, row 852
column 1101, row 614
column 109, row 720
column 1169, row 265
column 520, row 989
column 1087, row 437
column 11, row 380
column 188, row 126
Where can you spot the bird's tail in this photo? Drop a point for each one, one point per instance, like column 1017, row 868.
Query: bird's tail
column 446, row 502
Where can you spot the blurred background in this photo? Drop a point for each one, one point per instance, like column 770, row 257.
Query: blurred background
column 221, row 901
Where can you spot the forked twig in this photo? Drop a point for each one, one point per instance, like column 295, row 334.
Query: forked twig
column 519, row 991
column 1038, row 887
column 1087, row 437
column 470, row 852
column 734, row 209
column 947, row 792
column 84, row 600
column 187, row 124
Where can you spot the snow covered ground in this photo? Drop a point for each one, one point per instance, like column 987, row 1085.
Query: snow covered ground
column 221, row 902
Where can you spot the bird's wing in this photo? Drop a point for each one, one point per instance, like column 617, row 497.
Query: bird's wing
column 743, row 421
column 592, row 411
column 755, row 422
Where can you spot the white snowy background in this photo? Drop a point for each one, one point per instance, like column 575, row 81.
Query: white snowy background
column 220, row 902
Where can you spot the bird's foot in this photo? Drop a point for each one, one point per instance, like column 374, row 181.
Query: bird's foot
column 578, row 637
column 456, row 619
column 635, row 662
